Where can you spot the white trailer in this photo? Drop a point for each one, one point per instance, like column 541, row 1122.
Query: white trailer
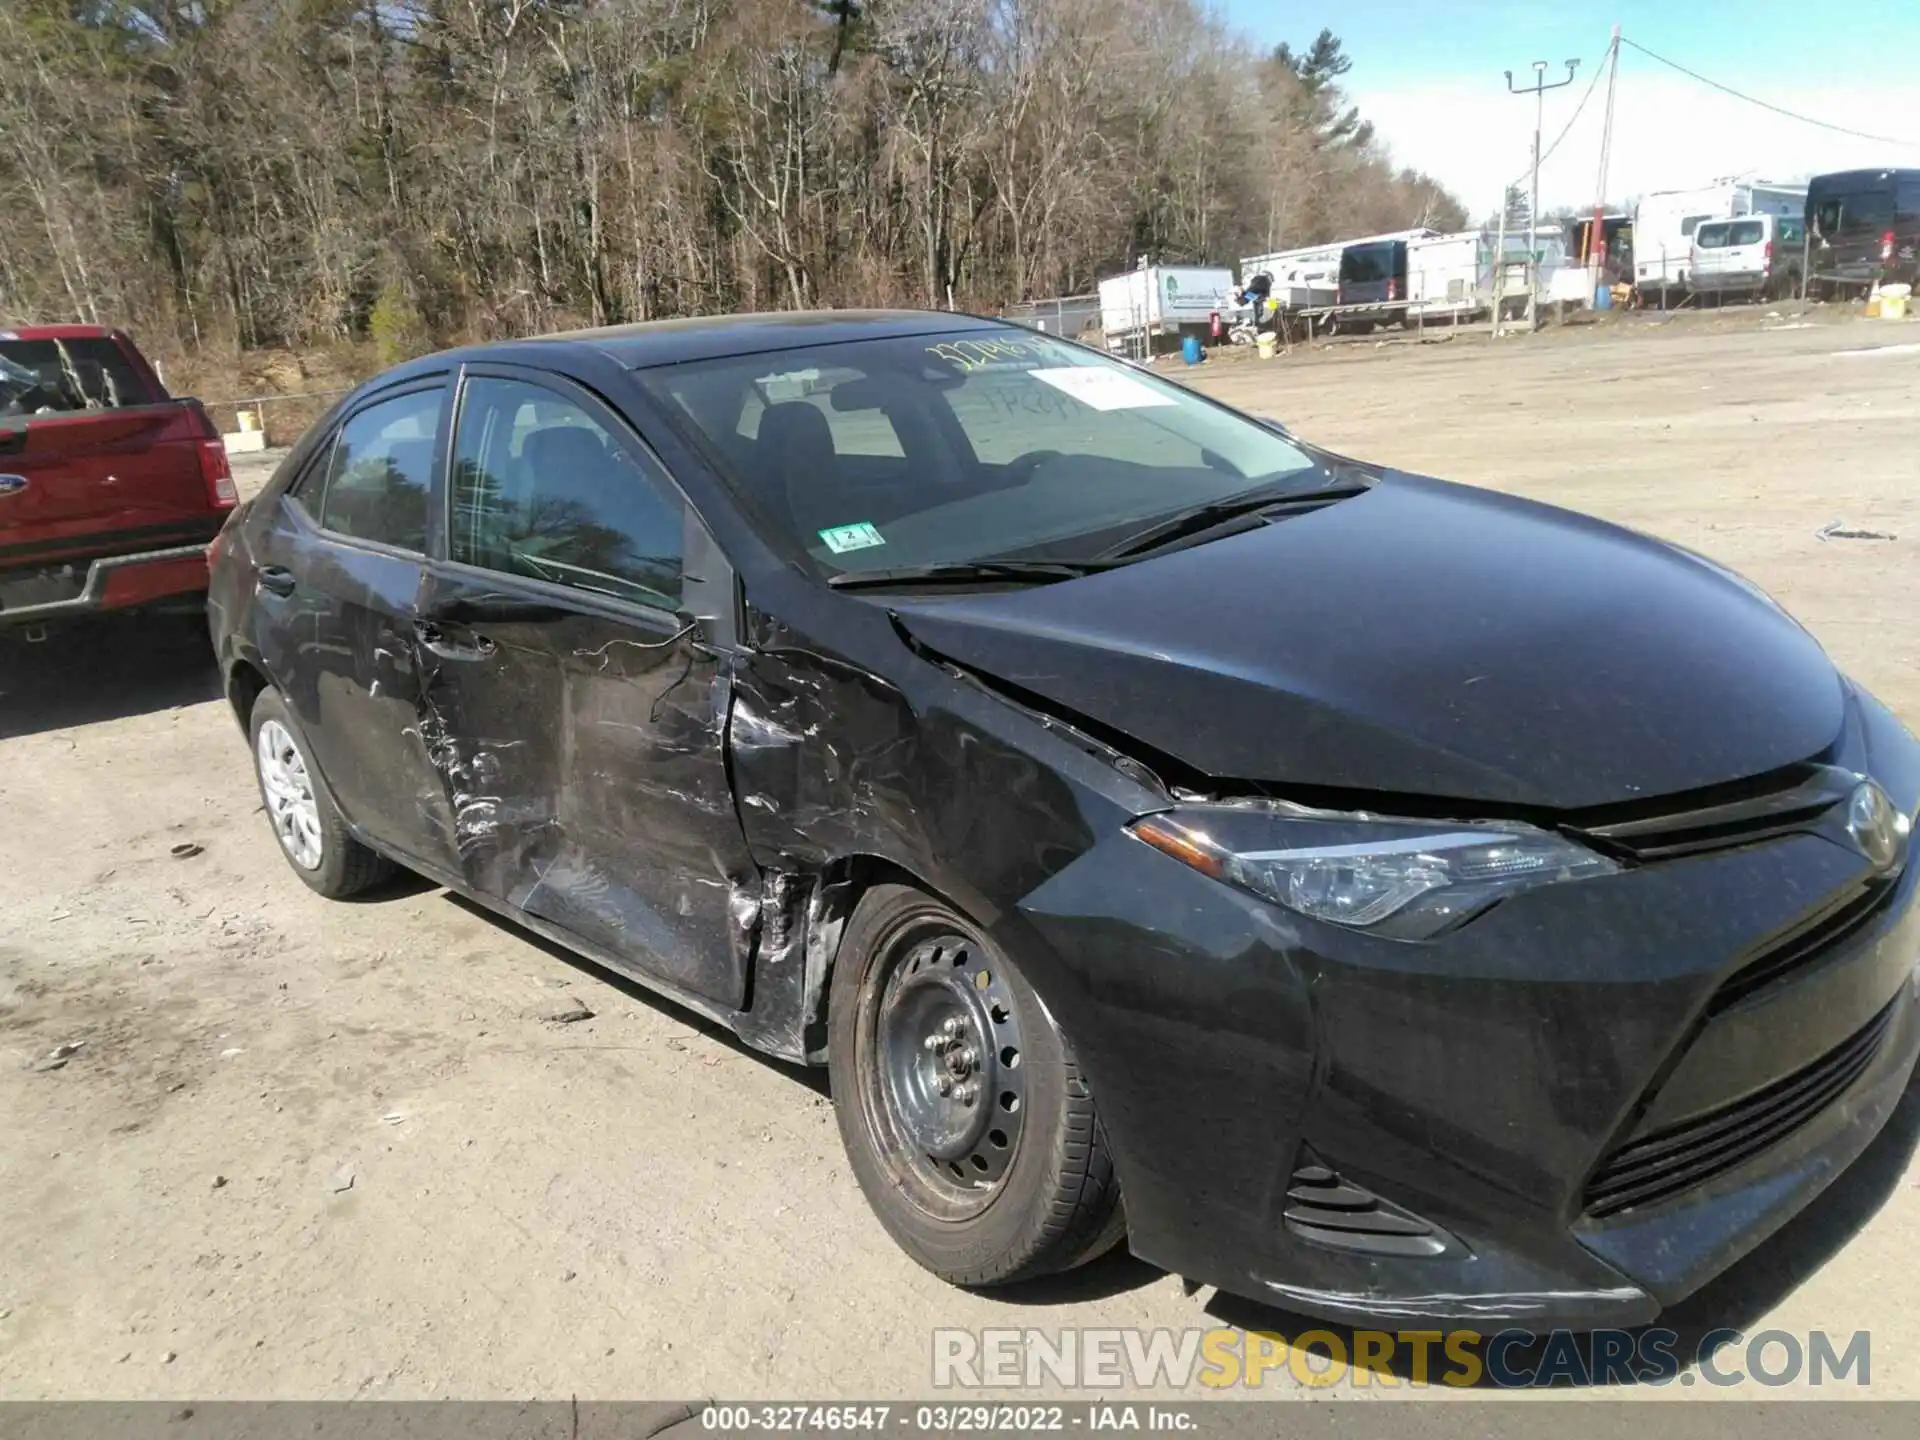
column 1664, row 222
column 1289, row 267
column 1309, row 277
column 1447, row 275
column 1163, row 300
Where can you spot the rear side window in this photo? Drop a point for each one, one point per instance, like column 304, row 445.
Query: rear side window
column 1869, row 210
column 1366, row 264
column 55, row 376
column 383, row 470
column 542, row 489
column 1855, row 212
column 309, row 487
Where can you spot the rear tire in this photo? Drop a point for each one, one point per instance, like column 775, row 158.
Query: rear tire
column 964, row 1112
column 313, row 838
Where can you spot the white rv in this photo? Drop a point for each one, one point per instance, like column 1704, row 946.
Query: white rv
column 1309, row 278
column 1664, row 223
column 1448, row 275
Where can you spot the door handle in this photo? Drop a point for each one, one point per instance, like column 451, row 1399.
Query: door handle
column 459, row 644
column 277, row 578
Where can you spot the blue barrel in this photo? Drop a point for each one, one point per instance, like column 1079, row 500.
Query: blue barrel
column 1603, row 297
column 1190, row 350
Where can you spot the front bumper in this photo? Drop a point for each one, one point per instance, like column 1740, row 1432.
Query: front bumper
column 1492, row 1083
column 1727, row 281
column 117, row 582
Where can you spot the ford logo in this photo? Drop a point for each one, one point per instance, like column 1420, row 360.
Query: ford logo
column 12, row 485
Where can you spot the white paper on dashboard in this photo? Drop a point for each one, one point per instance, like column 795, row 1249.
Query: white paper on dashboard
column 1100, row 388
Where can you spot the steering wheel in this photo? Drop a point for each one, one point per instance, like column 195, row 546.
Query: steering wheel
column 1019, row 471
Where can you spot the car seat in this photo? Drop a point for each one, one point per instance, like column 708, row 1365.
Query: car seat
column 795, row 451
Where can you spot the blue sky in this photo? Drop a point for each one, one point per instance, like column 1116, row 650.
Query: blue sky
column 1429, row 74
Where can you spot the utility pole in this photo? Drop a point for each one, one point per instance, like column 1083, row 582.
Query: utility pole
column 1538, row 90
column 1597, row 249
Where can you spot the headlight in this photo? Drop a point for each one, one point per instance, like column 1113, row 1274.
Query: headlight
column 1401, row 879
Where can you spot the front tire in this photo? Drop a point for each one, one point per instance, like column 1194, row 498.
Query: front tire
column 313, row 837
column 964, row 1112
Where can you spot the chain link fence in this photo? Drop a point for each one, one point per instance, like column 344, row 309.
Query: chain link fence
column 284, row 417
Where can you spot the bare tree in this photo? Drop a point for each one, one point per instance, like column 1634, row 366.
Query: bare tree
column 245, row 173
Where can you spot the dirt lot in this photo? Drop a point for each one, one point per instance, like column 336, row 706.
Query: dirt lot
column 339, row 1150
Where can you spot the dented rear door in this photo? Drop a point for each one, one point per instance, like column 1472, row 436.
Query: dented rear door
column 338, row 574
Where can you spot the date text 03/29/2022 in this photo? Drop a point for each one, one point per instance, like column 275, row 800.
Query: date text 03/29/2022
column 944, row 1419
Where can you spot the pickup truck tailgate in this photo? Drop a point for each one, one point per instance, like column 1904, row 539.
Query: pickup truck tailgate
column 103, row 481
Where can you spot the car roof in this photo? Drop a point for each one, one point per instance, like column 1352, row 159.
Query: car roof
column 711, row 337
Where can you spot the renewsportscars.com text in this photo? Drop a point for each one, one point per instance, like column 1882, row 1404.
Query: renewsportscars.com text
column 1218, row 1359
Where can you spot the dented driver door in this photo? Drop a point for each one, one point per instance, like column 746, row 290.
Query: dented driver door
column 579, row 686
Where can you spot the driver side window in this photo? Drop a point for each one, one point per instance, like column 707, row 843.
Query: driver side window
column 542, row 490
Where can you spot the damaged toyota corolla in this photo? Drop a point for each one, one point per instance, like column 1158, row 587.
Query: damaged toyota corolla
column 1375, row 895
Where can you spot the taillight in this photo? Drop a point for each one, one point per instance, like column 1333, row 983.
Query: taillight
column 1393, row 289
column 218, row 473
column 1886, row 248
column 1766, row 255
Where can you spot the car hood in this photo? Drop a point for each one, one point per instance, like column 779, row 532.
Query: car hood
column 1423, row 638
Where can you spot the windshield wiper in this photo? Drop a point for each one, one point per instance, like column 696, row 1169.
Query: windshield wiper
column 946, row 572
column 1199, row 519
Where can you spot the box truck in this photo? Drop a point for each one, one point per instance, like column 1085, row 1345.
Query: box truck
column 1164, row 300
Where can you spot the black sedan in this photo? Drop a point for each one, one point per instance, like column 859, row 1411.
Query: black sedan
column 1375, row 895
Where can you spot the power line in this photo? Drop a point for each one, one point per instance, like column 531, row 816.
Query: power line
column 1766, row 105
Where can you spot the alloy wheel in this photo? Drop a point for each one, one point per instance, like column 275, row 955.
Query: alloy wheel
column 288, row 789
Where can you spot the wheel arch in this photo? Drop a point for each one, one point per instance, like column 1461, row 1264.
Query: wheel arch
column 245, row 683
column 803, row 914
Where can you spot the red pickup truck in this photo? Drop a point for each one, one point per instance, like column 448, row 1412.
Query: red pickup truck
column 110, row 489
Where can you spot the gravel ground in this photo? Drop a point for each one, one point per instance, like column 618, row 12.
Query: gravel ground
column 321, row 1150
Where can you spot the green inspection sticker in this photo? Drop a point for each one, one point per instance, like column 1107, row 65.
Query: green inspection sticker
column 842, row 538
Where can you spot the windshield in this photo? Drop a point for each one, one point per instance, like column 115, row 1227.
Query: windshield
column 938, row 449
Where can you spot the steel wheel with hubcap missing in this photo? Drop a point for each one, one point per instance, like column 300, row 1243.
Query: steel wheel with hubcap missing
column 947, row 1073
column 963, row 1109
column 288, row 790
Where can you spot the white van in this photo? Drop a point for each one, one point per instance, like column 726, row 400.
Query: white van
column 1754, row 255
column 1665, row 221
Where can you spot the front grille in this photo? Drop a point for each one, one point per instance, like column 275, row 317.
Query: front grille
column 1329, row 1210
column 1789, row 802
column 1803, row 945
column 1663, row 1164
